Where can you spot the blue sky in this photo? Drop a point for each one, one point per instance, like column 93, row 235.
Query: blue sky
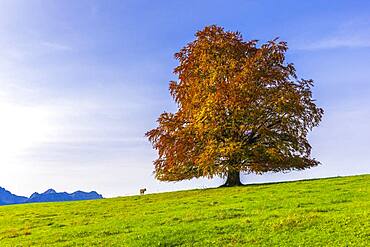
column 82, row 81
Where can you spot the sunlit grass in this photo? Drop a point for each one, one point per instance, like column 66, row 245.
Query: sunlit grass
column 323, row 212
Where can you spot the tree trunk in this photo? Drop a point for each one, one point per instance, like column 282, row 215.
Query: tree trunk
column 233, row 179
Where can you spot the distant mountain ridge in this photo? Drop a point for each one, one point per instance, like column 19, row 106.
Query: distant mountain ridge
column 6, row 197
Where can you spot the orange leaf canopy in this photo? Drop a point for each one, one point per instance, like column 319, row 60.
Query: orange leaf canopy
column 241, row 108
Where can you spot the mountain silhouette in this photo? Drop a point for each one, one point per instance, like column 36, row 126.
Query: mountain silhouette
column 6, row 197
column 50, row 195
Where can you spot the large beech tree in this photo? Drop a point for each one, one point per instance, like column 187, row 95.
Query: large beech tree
column 241, row 108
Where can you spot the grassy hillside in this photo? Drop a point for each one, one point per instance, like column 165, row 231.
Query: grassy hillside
column 324, row 212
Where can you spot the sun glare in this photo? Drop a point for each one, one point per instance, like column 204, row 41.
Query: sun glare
column 21, row 128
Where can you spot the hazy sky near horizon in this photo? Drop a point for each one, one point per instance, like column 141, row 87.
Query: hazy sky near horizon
column 82, row 81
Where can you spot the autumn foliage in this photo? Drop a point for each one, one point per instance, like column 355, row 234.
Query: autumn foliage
column 241, row 108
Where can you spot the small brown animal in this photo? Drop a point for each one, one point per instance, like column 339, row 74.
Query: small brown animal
column 142, row 191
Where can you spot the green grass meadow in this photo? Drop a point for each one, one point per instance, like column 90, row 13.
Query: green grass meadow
column 322, row 212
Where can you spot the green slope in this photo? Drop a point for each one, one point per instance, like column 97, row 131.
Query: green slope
column 323, row 212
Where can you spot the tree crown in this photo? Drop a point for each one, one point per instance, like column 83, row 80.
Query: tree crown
column 241, row 107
